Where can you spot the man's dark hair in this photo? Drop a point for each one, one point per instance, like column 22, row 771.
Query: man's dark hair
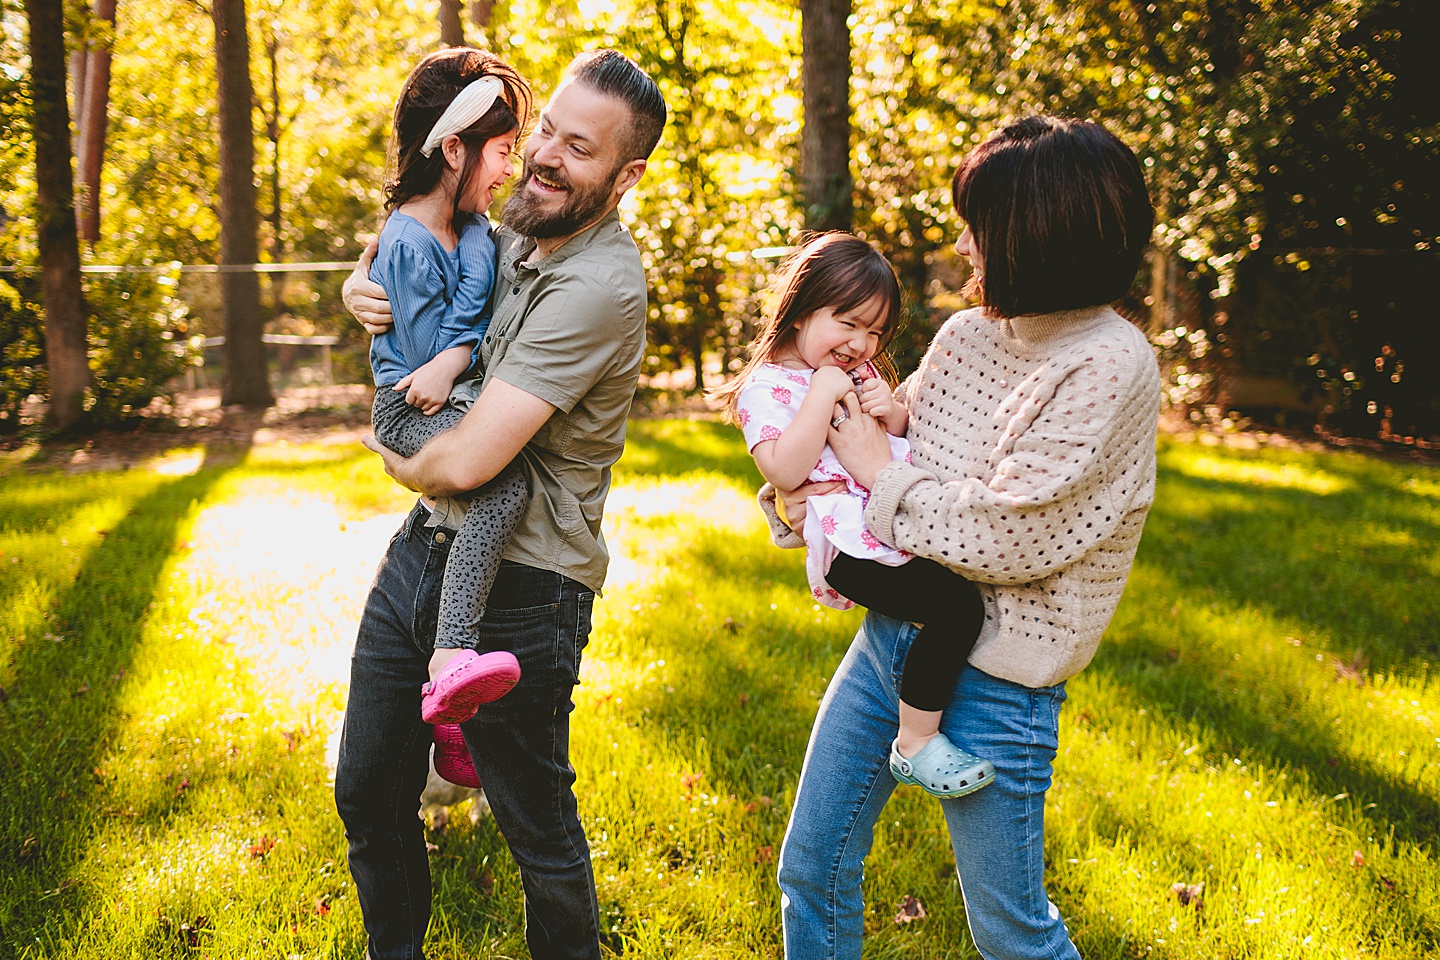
column 1059, row 212
column 616, row 75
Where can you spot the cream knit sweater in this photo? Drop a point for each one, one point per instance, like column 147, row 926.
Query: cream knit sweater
column 1032, row 468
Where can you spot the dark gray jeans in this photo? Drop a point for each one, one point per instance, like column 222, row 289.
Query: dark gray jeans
column 520, row 745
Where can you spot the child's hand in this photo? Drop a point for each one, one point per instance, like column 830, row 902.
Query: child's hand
column 427, row 388
column 877, row 400
column 832, row 382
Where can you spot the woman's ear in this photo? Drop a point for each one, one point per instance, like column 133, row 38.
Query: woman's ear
column 454, row 151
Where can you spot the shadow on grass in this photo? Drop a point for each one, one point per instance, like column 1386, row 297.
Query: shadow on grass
column 61, row 715
column 1345, row 566
column 1344, row 569
column 1348, row 565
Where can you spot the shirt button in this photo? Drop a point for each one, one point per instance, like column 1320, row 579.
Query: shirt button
column 439, row 536
column 515, row 289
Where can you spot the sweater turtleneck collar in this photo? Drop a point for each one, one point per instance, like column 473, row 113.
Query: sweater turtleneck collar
column 1040, row 329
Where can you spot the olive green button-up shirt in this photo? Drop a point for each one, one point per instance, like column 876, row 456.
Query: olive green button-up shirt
column 570, row 330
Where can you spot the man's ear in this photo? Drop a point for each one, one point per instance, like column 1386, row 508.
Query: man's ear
column 628, row 176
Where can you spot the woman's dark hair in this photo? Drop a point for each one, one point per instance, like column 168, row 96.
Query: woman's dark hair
column 1059, row 212
column 835, row 270
column 429, row 89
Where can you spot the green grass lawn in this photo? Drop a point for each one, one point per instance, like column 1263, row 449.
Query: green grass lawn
column 1260, row 726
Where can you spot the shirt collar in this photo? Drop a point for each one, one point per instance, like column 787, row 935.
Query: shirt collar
column 524, row 246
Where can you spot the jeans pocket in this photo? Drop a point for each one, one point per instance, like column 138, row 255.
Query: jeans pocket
column 540, row 640
column 585, row 608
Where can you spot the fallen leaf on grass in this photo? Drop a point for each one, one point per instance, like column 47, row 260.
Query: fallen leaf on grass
column 191, row 931
column 259, row 851
column 1357, row 859
column 758, row 804
column 764, row 854
column 1189, row 894
column 911, row 909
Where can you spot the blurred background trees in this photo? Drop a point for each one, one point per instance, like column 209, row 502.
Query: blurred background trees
column 1291, row 148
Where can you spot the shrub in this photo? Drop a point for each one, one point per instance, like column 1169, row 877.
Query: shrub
column 22, row 352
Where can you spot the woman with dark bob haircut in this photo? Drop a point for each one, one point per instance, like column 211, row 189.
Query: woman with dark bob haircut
column 1032, row 434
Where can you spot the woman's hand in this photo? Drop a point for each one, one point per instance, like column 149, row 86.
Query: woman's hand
column 790, row 504
column 364, row 297
column 860, row 443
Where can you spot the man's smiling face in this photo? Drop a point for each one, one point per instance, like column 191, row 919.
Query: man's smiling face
column 573, row 163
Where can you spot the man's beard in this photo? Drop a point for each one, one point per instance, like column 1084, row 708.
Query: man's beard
column 524, row 213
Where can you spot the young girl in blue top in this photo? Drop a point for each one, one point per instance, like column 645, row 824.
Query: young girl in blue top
column 456, row 122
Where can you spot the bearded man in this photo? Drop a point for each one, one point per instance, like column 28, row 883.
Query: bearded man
column 561, row 359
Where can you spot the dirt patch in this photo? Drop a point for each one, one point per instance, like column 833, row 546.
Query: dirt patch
column 329, row 414
column 341, row 413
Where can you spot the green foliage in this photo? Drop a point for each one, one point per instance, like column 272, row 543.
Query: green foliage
column 22, row 360
column 1277, row 135
column 135, row 345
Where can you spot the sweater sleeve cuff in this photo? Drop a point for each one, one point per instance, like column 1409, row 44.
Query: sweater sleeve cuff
column 780, row 533
column 890, row 486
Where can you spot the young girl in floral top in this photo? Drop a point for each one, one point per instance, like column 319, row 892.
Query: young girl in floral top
column 836, row 306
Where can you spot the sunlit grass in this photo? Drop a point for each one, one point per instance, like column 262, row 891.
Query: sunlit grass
column 1261, row 723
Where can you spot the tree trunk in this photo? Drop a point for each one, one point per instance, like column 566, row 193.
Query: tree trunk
column 825, row 139
column 452, row 29
column 273, row 132
column 246, row 382
column 65, row 313
column 93, row 112
column 481, row 12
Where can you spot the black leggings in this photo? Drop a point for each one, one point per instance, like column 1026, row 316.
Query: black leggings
column 923, row 591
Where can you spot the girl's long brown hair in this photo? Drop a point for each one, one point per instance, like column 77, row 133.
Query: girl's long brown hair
column 429, row 89
column 836, row 270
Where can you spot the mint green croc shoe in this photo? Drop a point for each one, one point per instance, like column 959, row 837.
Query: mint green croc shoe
column 942, row 769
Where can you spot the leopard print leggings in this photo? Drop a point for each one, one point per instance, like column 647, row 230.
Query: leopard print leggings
column 494, row 511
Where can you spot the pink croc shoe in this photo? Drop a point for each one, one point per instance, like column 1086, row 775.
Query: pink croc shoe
column 467, row 681
column 452, row 757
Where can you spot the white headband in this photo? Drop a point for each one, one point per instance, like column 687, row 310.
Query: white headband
column 468, row 106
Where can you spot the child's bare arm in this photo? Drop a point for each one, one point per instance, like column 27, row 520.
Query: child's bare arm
column 429, row 386
column 788, row 460
column 877, row 400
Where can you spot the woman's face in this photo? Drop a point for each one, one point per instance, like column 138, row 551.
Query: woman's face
column 965, row 246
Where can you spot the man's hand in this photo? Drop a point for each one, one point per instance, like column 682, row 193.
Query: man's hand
column 393, row 460
column 364, row 297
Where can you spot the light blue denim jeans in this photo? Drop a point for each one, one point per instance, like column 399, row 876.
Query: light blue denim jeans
column 998, row 833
